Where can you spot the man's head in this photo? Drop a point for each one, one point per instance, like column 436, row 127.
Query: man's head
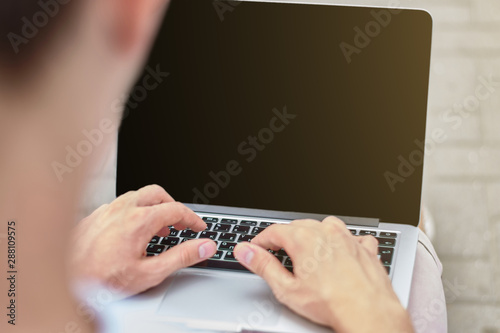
column 65, row 65
column 71, row 62
column 30, row 29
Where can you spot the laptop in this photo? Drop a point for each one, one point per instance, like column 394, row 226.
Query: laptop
column 256, row 113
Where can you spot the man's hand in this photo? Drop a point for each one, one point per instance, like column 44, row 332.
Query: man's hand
column 338, row 280
column 109, row 245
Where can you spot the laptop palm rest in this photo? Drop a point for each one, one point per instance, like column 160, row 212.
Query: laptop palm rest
column 238, row 299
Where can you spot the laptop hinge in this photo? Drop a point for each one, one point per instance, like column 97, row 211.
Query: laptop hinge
column 273, row 214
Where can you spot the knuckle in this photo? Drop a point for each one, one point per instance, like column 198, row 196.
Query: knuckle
column 178, row 206
column 103, row 207
column 138, row 215
column 301, row 230
column 115, row 207
column 332, row 220
column 127, row 195
column 155, row 189
column 185, row 257
column 262, row 264
column 334, row 228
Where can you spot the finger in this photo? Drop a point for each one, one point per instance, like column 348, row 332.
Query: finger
column 371, row 264
column 334, row 221
column 370, row 243
column 304, row 223
column 152, row 195
column 179, row 226
column 174, row 213
column 277, row 236
column 267, row 266
column 180, row 256
column 164, row 232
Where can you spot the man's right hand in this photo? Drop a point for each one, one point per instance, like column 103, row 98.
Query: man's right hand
column 338, row 280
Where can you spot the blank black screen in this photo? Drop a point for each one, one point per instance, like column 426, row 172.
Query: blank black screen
column 229, row 78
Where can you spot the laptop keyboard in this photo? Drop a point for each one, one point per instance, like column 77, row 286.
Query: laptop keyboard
column 227, row 232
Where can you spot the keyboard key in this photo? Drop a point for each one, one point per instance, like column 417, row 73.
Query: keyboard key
column 170, row 241
column 222, row 227
column 256, row 231
column 290, row 268
column 388, row 269
column 208, row 234
column 385, row 250
column 210, row 219
column 218, row 255
column 245, row 238
column 241, row 229
column 189, row 234
column 173, row 232
column 226, row 236
column 155, row 240
column 227, row 246
column 265, row 224
column 386, row 259
column 150, row 254
column 367, row 232
column 185, row 240
column 229, row 256
column 209, row 226
column 353, row 231
column 288, row 262
column 229, row 221
column 155, row 248
column 282, row 252
column 386, row 241
column 280, row 258
column 388, row 234
column 249, row 223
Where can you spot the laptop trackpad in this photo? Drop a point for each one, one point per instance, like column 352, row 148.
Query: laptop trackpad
column 236, row 297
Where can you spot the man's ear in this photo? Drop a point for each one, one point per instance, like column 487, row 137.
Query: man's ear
column 134, row 22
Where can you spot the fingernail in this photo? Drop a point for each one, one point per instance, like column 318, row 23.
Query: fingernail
column 246, row 255
column 206, row 250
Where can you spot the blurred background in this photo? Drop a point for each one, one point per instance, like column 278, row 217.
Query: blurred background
column 462, row 174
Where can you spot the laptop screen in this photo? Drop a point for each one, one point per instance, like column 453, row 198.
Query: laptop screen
column 288, row 107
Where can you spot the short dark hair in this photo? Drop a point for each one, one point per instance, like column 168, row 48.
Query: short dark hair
column 25, row 26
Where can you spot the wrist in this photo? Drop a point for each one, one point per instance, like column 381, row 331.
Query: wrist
column 363, row 316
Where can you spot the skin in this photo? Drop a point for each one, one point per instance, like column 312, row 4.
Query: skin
column 133, row 219
column 87, row 66
column 337, row 277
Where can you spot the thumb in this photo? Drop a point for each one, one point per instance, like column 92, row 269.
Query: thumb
column 267, row 266
column 183, row 255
